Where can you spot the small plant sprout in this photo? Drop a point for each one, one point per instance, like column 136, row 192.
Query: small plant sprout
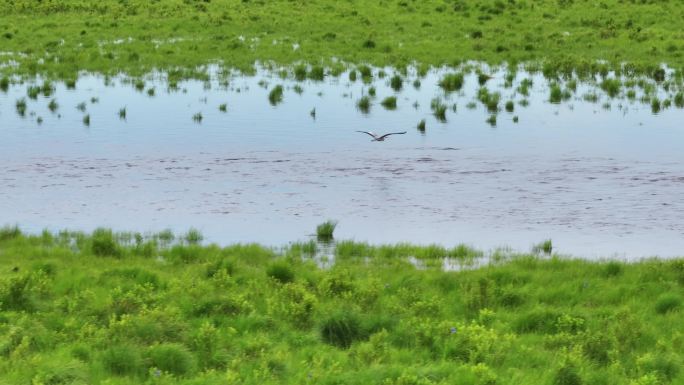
column 276, row 95
column 298, row 89
column 94, row 100
column 223, row 107
column 81, row 106
column 122, row 113
column 39, row 120
column 390, row 103
column 515, row 119
column 150, row 92
column 364, row 104
column 53, row 106
column 86, row 120
column 421, row 126
column 139, row 85
column 371, row 91
column 197, row 118
column 313, row 113
column 324, row 231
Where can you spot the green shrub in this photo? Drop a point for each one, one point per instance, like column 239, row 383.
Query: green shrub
column 281, row 272
column 536, row 321
column 104, row 244
column 612, row 269
column 667, row 303
column 121, row 360
column 171, row 358
column 567, row 374
column 342, row 329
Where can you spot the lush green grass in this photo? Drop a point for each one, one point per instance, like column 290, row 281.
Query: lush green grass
column 126, row 309
column 62, row 37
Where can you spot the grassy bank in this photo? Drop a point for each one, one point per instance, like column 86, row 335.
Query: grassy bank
column 122, row 309
column 108, row 36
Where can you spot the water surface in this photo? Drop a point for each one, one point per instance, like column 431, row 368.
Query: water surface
column 600, row 179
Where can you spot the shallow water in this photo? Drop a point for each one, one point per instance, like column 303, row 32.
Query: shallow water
column 599, row 182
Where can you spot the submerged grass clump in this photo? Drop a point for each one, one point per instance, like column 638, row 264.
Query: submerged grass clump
column 452, row 82
column 53, row 106
column 20, row 105
column 86, row 120
column 325, row 230
column 364, row 104
column 122, row 113
column 4, row 83
column 396, row 82
column 197, row 118
column 126, row 308
column 438, row 109
column 276, row 95
column 390, row 103
column 421, row 126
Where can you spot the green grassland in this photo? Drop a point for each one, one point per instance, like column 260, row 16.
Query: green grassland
column 61, row 37
column 107, row 308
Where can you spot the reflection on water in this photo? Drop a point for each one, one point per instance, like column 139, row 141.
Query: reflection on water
column 600, row 176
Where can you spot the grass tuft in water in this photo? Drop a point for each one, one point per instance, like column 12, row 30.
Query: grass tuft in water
column 197, row 118
column 364, row 104
column 150, row 92
column 81, row 106
column 421, row 126
column 70, row 84
column 390, row 103
column 122, row 113
column 556, row 93
column 655, row 105
column 452, row 82
column 679, row 100
column 223, row 107
column 4, row 84
column 21, row 107
column 276, row 95
column 371, row 91
column 545, row 247
column 438, row 109
column 298, row 89
column 86, row 120
column 325, row 230
column 32, row 92
column 317, row 73
column 510, row 106
column 396, row 83
column 491, row 120
column 53, row 106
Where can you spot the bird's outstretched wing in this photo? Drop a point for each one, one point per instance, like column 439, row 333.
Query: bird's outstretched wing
column 391, row 133
column 369, row 133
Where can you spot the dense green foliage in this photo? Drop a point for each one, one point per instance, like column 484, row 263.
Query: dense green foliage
column 127, row 309
column 61, row 37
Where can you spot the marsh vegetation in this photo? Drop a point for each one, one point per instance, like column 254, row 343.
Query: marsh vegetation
column 87, row 308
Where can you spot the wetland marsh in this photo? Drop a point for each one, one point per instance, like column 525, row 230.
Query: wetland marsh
column 227, row 224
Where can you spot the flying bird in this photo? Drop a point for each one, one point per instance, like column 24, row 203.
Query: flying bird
column 381, row 138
